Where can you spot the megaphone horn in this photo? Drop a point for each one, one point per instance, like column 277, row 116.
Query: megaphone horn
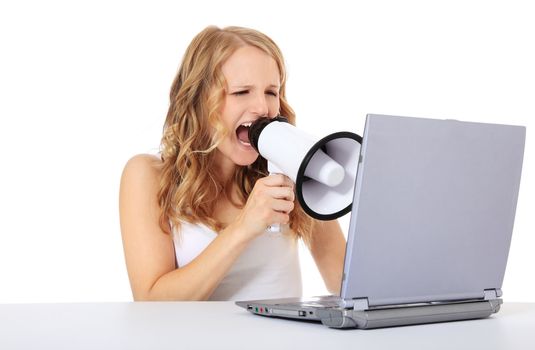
column 324, row 171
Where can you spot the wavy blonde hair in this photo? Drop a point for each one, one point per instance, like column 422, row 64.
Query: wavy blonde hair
column 189, row 185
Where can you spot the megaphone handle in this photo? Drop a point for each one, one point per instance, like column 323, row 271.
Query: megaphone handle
column 273, row 169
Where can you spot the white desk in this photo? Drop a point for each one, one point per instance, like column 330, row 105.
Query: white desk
column 222, row 325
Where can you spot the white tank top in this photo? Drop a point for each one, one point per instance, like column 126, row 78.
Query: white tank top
column 267, row 268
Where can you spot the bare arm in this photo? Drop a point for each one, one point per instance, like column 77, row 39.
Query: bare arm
column 149, row 252
column 328, row 250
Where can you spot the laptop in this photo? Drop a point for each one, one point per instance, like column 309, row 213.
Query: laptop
column 430, row 228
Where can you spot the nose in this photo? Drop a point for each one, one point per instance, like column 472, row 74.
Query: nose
column 259, row 105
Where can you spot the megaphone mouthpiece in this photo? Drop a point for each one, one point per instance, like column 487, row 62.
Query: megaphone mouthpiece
column 256, row 128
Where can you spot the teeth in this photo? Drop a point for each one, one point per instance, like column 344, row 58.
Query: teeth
column 247, row 125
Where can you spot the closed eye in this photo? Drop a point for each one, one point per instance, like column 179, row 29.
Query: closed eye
column 241, row 92
column 272, row 93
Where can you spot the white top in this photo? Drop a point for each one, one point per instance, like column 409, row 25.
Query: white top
column 267, row 268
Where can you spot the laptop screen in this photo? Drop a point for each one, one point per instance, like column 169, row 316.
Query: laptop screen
column 433, row 210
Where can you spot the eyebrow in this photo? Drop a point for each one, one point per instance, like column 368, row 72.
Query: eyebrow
column 250, row 86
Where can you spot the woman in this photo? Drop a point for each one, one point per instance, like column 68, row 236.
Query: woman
column 194, row 220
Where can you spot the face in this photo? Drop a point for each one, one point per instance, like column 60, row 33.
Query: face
column 253, row 85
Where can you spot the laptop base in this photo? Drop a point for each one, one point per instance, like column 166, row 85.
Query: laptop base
column 374, row 317
column 410, row 315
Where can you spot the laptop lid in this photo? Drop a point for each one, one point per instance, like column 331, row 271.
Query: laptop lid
column 433, row 210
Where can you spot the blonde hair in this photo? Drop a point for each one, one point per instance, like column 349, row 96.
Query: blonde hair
column 189, row 185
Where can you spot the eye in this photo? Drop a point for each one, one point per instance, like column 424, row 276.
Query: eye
column 241, row 92
column 273, row 93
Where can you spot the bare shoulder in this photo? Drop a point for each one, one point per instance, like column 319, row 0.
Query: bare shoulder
column 144, row 168
column 140, row 182
column 144, row 163
column 138, row 194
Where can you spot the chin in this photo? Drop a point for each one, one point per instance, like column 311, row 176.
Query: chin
column 244, row 161
column 239, row 154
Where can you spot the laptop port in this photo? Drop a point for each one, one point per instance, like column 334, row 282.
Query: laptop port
column 302, row 313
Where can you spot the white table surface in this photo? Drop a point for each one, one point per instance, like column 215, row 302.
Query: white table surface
column 222, row 325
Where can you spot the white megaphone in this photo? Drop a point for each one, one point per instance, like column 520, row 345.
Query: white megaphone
column 324, row 171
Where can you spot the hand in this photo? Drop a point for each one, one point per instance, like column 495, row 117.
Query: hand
column 270, row 202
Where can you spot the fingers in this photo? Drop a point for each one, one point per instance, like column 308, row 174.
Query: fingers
column 278, row 180
column 276, row 186
column 281, row 205
column 275, row 193
column 282, row 193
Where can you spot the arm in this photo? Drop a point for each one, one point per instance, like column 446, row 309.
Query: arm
column 328, row 250
column 149, row 252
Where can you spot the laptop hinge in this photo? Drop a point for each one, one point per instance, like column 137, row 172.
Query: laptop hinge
column 355, row 304
column 491, row 294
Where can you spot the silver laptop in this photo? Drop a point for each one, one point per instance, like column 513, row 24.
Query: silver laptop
column 430, row 228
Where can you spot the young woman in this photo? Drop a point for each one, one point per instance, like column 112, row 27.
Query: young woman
column 194, row 219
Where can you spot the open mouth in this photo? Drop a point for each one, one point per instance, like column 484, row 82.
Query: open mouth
column 242, row 132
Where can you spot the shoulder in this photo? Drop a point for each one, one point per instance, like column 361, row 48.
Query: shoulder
column 142, row 169
column 143, row 165
column 149, row 162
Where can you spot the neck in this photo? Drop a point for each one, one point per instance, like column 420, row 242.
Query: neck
column 225, row 168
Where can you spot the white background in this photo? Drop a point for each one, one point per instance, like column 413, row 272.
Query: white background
column 84, row 86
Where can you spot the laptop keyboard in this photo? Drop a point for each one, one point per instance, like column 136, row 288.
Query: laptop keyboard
column 328, row 301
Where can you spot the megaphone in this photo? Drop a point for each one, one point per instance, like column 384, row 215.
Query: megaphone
column 323, row 170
